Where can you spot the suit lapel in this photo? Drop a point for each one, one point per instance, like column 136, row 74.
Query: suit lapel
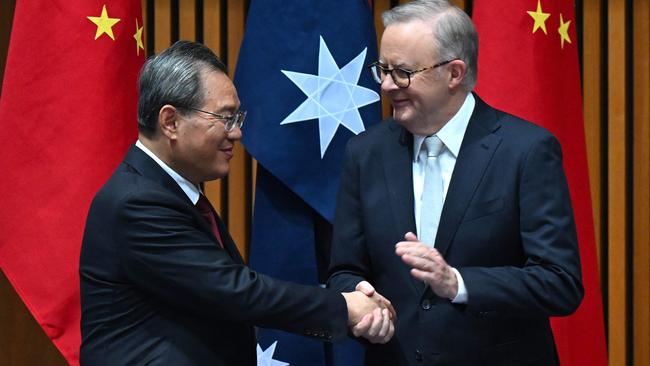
column 228, row 243
column 397, row 155
column 476, row 151
column 140, row 161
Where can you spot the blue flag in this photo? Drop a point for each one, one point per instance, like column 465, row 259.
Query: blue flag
column 303, row 80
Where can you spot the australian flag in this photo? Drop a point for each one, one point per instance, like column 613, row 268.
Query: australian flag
column 303, row 80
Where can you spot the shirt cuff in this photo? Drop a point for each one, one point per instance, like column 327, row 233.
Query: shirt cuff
column 461, row 296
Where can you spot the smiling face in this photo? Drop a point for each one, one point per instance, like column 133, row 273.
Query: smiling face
column 424, row 106
column 201, row 148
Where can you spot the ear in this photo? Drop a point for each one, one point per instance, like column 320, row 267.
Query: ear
column 168, row 121
column 457, row 72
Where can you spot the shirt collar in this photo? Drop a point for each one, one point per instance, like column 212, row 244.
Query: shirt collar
column 452, row 133
column 188, row 187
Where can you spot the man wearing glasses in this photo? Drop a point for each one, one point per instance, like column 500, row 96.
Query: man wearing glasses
column 456, row 212
column 162, row 282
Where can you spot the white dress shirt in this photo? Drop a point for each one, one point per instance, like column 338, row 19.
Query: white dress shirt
column 451, row 135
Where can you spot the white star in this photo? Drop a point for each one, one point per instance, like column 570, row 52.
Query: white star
column 265, row 358
column 333, row 96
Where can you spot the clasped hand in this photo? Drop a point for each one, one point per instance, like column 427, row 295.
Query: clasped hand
column 370, row 315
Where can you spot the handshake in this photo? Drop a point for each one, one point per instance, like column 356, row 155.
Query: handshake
column 370, row 315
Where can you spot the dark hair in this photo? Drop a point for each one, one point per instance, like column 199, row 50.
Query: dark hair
column 174, row 77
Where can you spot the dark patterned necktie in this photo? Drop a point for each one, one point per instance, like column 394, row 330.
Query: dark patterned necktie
column 207, row 212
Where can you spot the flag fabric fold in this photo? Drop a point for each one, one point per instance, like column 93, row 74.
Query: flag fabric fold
column 528, row 66
column 68, row 114
column 302, row 78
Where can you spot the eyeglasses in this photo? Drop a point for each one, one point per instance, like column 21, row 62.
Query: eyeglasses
column 230, row 122
column 401, row 77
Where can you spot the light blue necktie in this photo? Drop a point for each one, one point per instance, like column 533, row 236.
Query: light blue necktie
column 432, row 193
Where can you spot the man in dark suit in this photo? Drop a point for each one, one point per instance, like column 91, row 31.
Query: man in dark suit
column 162, row 282
column 496, row 253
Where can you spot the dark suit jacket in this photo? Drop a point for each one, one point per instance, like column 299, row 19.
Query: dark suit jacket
column 156, row 289
column 506, row 225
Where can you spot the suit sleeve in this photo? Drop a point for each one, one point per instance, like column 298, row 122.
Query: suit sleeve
column 549, row 282
column 164, row 252
column 349, row 263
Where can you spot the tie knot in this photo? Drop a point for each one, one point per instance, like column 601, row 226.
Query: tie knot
column 204, row 205
column 434, row 145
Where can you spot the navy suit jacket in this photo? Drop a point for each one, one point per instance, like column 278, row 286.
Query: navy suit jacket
column 506, row 225
column 157, row 290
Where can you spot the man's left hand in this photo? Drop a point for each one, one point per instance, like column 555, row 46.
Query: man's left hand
column 428, row 265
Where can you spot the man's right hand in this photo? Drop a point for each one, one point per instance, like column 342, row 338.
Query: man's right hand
column 370, row 315
column 369, row 290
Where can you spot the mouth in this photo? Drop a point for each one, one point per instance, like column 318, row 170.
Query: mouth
column 400, row 102
column 228, row 151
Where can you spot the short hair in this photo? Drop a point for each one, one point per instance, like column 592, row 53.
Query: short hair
column 454, row 34
column 174, row 77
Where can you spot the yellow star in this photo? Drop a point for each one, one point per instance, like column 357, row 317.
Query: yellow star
column 540, row 17
column 564, row 30
column 138, row 37
column 104, row 24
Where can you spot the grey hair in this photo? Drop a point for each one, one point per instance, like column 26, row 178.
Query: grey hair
column 454, row 35
column 174, row 77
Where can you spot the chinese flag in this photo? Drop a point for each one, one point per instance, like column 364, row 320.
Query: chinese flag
column 67, row 116
column 528, row 66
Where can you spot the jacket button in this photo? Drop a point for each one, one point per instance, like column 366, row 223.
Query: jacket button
column 418, row 355
column 426, row 304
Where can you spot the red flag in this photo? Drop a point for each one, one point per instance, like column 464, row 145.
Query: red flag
column 528, row 66
column 67, row 116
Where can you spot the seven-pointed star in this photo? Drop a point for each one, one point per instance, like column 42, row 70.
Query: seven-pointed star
column 333, row 96
column 564, row 31
column 265, row 358
column 104, row 24
column 540, row 17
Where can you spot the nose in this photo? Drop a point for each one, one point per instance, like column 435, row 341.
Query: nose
column 388, row 83
column 234, row 134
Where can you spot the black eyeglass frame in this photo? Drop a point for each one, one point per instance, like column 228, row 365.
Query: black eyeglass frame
column 230, row 122
column 385, row 71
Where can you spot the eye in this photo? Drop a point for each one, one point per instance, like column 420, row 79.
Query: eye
column 401, row 73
